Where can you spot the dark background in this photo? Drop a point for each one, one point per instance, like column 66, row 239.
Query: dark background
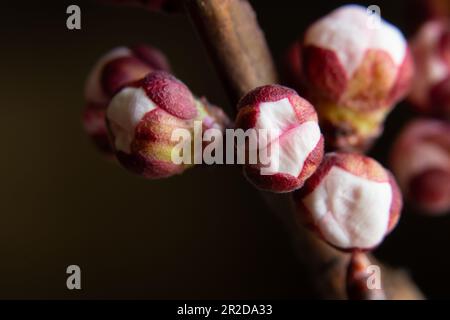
column 205, row 234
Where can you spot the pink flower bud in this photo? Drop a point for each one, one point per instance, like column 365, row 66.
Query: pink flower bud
column 431, row 86
column 362, row 282
column 292, row 142
column 355, row 69
column 351, row 201
column 118, row 67
column 420, row 159
column 142, row 117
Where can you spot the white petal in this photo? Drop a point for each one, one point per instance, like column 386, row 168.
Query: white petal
column 276, row 117
column 125, row 111
column 292, row 142
column 294, row 147
column 350, row 211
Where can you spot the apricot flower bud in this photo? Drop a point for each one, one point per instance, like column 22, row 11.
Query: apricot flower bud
column 291, row 128
column 118, row 67
column 420, row 159
column 351, row 201
column 355, row 69
column 431, row 86
column 142, row 117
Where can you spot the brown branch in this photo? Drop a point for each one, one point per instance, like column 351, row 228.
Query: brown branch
column 241, row 56
column 235, row 43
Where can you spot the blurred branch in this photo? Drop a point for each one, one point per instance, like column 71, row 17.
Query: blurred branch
column 240, row 54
